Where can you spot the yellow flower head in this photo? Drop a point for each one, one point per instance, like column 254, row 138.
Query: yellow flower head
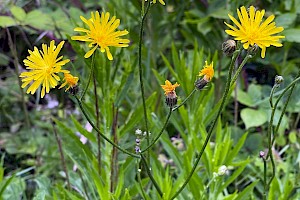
column 70, row 80
column 168, row 87
column 43, row 68
column 160, row 1
column 207, row 71
column 101, row 33
column 251, row 30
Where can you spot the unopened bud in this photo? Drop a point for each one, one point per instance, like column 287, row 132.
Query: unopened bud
column 253, row 49
column 278, row 79
column 200, row 83
column 262, row 154
column 228, row 47
column 171, row 99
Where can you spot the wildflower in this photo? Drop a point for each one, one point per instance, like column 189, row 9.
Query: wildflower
column 208, row 73
column 171, row 97
column 251, row 30
column 44, row 67
column 101, row 33
column 160, row 1
column 70, row 81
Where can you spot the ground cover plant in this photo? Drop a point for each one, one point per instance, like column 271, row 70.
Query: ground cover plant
column 149, row 99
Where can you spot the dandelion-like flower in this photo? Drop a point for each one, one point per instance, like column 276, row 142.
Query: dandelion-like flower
column 160, row 1
column 251, row 30
column 168, row 87
column 101, row 33
column 207, row 71
column 70, row 81
column 44, row 65
column 171, row 97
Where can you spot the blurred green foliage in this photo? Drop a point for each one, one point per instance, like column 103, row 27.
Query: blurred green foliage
column 178, row 38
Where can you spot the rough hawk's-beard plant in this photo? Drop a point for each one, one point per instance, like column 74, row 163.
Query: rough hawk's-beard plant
column 101, row 33
column 253, row 30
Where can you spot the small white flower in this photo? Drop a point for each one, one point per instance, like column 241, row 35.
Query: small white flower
column 222, row 170
column 138, row 132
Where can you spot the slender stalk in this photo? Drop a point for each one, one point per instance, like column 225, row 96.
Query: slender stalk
column 15, row 55
column 148, row 170
column 238, row 71
column 97, row 123
column 83, row 183
column 270, row 127
column 100, row 133
column 160, row 133
column 138, row 170
column 90, row 76
column 265, row 179
column 114, row 154
column 225, row 95
column 63, row 162
column 141, row 73
column 187, row 98
column 286, row 103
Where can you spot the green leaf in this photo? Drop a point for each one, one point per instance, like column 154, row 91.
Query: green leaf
column 6, row 21
column 253, row 118
column 292, row 35
column 245, row 193
column 285, row 20
column 18, row 13
column 245, row 98
column 39, row 20
column 293, row 137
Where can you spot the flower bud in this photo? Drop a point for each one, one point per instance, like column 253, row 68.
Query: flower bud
column 229, row 47
column 200, row 83
column 278, row 79
column 171, row 99
column 253, row 49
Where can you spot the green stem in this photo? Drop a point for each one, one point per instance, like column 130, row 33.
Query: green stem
column 90, row 77
column 61, row 153
column 100, row 133
column 15, row 55
column 238, row 71
column 138, row 170
column 270, row 127
column 148, row 170
column 183, row 102
column 265, row 179
column 228, row 83
column 141, row 73
column 160, row 133
column 97, row 123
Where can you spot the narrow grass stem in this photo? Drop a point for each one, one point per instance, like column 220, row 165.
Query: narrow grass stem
column 160, row 133
column 138, row 172
column 225, row 95
column 90, row 77
column 270, row 127
column 97, row 123
column 185, row 100
column 265, row 179
column 100, row 133
column 141, row 72
column 15, row 55
column 61, row 153
column 148, row 170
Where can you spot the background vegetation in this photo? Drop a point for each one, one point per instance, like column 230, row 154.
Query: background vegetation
column 178, row 38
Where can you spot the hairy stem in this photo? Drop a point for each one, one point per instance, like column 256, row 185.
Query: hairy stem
column 90, row 77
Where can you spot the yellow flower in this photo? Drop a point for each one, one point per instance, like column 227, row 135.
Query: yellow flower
column 101, row 33
column 160, row 1
column 70, row 80
column 44, row 67
column 169, row 88
column 207, row 71
column 251, row 30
